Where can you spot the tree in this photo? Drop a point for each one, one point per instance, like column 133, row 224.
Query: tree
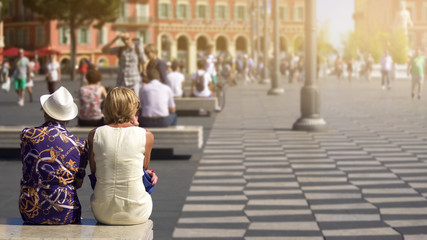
column 399, row 46
column 324, row 48
column 75, row 14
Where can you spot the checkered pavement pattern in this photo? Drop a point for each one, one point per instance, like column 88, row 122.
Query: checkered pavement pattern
column 364, row 178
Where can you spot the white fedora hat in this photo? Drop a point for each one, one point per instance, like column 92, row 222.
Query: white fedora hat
column 59, row 105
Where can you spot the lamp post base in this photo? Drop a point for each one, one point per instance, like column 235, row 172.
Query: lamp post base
column 265, row 81
column 276, row 91
column 310, row 125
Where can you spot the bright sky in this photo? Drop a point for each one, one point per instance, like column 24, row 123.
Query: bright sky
column 340, row 15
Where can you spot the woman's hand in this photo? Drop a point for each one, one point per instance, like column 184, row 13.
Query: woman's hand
column 154, row 177
column 78, row 182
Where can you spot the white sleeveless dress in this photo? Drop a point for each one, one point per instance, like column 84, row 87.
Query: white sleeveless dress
column 119, row 197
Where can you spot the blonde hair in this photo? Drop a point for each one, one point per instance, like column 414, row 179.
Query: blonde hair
column 120, row 105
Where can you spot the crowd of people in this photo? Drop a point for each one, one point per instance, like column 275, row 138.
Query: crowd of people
column 118, row 149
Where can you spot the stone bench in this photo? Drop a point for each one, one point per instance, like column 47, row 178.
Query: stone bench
column 13, row 228
column 187, row 137
column 194, row 105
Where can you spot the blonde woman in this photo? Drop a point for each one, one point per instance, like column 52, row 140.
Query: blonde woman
column 118, row 152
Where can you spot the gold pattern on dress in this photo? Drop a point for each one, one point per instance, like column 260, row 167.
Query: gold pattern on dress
column 29, row 202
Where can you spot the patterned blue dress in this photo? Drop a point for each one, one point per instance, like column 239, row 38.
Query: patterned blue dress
column 51, row 160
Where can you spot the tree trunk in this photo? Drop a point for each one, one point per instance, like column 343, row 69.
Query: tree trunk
column 73, row 47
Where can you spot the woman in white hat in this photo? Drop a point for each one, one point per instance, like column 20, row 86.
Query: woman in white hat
column 54, row 163
column 118, row 154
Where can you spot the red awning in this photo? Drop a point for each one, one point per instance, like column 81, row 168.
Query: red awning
column 14, row 52
column 46, row 51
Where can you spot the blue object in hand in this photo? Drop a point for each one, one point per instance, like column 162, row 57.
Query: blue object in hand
column 146, row 180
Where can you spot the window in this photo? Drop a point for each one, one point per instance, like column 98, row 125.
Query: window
column 424, row 12
column 410, row 6
column 144, row 36
column 424, row 40
column 221, row 12
column 124, row 10
column 10, row 37
column 22, row 37
column 40, row 36
column 11, row 8
column 202, row 11
column 240, row 12
column 102, row 36
column 165, row 10
column 284, row 13
column 64, row 36
column 84, row 36
column 182, row 11
column 299, row 12
column 142, row 12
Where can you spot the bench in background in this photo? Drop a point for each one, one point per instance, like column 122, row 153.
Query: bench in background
column 188, row 137
column 13, row 228
column 194, row 105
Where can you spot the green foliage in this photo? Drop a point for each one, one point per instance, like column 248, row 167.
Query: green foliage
column 4, row 9
column 324, row 48
column 76, row 13
column 375, row 42
column 399, row 46
column 80, row 12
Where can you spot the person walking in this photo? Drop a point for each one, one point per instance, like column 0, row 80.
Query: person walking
column 350, row 69
column 5, row 69
column 338, row 67
column 210, row 63
column 131, row 61
column 21, row 75
column 386, row 70
column 53, row 73
column 30, row 83
column 369, row 66
column 416, row 69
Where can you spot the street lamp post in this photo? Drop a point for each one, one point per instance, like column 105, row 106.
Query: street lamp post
column 310, row 119
column 253, row 29
column 275, row 88
column 266, row 74
column 258, row 32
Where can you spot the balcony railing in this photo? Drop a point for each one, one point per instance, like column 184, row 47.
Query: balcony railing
column 134, row 20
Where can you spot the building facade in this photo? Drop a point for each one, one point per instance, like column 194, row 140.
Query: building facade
column 381, row 14
column 181, row 29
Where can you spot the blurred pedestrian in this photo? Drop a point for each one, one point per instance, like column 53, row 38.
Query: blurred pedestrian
column 416, row 68
column 350, row 69
column 339, row 67
column 21, row 75
column 131, row 61
column 53, row 75
column 201, row 85
column 5, row 79
column 91, row 97
column 82, row 70
column 30, row 83
column 386, row 70
column 176, row 80
column 369, row 66
column 210, row 63
column 157, row 103
column 155, row 63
